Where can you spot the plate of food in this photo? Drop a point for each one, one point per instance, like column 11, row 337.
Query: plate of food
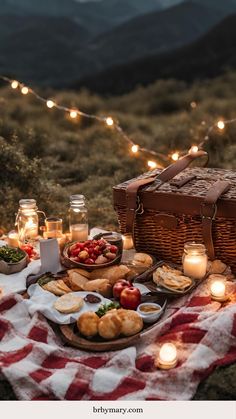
column 91, row 254
column 167, row 279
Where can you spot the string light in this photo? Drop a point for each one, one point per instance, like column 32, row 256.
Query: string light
column 14, row 84
column 73, row 114
column 152, row 164
column 221, row 125
column 194, row 149
column 50, row 104
column 24, row 90
column 175, row 156
column 134, row 148
column 109, row 121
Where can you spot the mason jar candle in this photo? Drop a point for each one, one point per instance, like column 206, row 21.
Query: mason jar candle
column 195, row 260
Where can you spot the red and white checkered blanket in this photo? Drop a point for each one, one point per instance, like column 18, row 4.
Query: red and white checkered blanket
column 34, row 361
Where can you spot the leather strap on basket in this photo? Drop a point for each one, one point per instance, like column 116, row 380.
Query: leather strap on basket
column 132, row 200
column 208, row 212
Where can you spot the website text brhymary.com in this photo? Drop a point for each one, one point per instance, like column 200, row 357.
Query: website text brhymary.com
column 120, row 410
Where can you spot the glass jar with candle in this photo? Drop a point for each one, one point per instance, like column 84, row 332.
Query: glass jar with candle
column 27, row 220
column 195, row 260
column 78, row 218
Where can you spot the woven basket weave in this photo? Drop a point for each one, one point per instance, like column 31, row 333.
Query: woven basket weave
column 183, row 205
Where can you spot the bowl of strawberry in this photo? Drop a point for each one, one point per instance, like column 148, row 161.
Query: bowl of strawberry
column 91, row 254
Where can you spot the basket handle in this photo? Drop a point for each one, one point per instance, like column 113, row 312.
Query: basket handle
column 209, row 211
column 167, row 174
column 174, row 169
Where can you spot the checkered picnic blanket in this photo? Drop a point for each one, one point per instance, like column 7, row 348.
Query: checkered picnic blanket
column 38, row 366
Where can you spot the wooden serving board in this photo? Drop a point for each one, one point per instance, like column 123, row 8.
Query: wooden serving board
column 72, row 337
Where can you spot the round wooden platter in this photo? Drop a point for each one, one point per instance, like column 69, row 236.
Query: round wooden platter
column 72, row 337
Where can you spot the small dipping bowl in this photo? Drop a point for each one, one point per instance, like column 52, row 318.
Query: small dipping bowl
column 150, row 312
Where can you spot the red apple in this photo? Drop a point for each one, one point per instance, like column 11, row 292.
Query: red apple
column 119, row 287
column 130, row 298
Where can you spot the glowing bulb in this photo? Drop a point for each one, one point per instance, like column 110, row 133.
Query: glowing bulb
column 221, row 125
column 24, row 90
column 193, row 105
column 134, row 148
column 14, row 84
column 175, row 156
column 152, row 164
column 73, row 114
column 193, row 149
column 50, row 103
column 109, row 121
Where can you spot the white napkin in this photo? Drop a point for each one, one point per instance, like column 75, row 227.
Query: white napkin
column 42, row 301
column 17, row 282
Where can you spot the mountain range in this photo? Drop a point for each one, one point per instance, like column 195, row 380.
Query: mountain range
column 61, row 42
column 208, row 57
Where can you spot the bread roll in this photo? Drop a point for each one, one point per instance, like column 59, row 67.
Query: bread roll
column 77, row 281
column 87, row 324
column 109, row 326
column 69, row 303
column 217, row 267
column 82, row 272
column 142, row 259
column 113, row 273
column 102, row 286
column 132, row 322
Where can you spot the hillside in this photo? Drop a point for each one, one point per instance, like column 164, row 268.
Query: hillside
column 155, row 32
column 210, row 56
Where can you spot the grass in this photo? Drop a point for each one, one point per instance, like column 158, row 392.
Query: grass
column 45, row 155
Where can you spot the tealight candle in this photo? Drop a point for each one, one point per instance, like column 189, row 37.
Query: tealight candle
column 128, row 242
column 195, row 260
column 218, row 291
column 167, row 357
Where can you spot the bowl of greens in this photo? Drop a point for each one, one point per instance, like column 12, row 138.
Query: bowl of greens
column 12, row 260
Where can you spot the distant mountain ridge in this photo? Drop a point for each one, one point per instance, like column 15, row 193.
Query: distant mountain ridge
column 208, row 57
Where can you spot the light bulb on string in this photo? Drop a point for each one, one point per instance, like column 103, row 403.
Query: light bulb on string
column 50, row 104
column 134, row 148
column 221, row 125
column 175, row 156
column 24, row 90
column 109, row 121
column 14, row 84
column 152, row 164
column 73, row 114
column 193, row 105
column 194, row 149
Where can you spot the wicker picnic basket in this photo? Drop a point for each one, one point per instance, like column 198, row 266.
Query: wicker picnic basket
column 165, row 209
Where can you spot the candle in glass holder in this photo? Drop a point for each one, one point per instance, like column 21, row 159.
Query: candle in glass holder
column 195, row 260
column 128, row 242
column 13, row 239
column 218, row 290
column 167, row 357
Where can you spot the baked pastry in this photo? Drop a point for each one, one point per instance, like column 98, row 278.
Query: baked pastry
column 217, row 267
column 82, row 272
column 109, row 326
column 87, row 324
column 102, row 286
column 69, row 303
column 113, row 273
column 132, row 322
column 142, row 259
column 77, row 281
column 58, row 287
column 171, row 279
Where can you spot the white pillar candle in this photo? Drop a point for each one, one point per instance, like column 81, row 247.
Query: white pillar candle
column 128, row 242
column 13, row 239
column 167, row 357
